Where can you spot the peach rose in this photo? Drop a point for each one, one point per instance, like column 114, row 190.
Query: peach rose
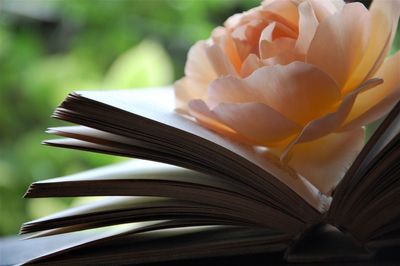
column 299, row 77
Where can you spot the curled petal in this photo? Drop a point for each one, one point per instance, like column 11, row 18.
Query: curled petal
column 233, row 21
column 324, row 9
column 250, row 64
column 219, row 61
column 187, row 89
column 325, row 167
column 384, row 19
column 237, row 20
column 267, row 33
column 246, row 36
column 391, row 9
column 276, row 39
column 198, row 66
column 276, row 47
column 198, row 73
column 284, row 58
column 231, row 90
column 340, row 41
column 299, row 91
column 276, row 30
column 203, row 115
column 330, row 122
column 225, row 41
column 284, row 11
column 257, row 122
column 250, row 31
column 307, row 26
column 372, row 104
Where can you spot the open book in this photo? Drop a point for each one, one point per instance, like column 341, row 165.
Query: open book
column 200, row 195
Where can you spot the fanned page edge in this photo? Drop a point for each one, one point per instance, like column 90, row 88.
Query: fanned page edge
column 257, row 243
column 157, row 105
column 342, row 190
column 280, row 221
column 91, row 238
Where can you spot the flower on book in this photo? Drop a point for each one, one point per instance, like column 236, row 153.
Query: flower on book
column 300, row 77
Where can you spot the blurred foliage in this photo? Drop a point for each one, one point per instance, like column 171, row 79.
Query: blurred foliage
column 49, row 48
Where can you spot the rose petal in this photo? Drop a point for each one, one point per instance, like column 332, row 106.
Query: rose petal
column 243, row 48
column 284, row 58
column 324, row 9
column 340, row 41
column 267, row 33
column 225, row 41
column 276, row 39
column 283, row 11
column 279, row 30
column 219, row 60
column 338, row 4
column 250, row 64
column 267, row 2
column 197, row 65
column 257, row 122
column 391, row 9
column 247, row 36
column 250, row 31
column 325, row 167
column 187, row 89
column 208, row 119
column 231, row 90
column 198, row 73
column 234, row 21
column 278, row 46
column 299, row 91
column 384, row 18
column 330, row 122
column 239, row 19
column 372, row 104
column 307, row 26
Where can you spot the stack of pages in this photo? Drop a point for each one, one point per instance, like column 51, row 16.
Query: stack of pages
column 196, row 194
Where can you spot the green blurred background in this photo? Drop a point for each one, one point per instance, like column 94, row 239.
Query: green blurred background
column 49, row 48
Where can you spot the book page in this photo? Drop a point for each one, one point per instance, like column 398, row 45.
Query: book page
column 215, row 197
column 143, row 170
column 119, row 210
column 366, row 202
column 157, row 105
column 385, row 133
column 160, row 242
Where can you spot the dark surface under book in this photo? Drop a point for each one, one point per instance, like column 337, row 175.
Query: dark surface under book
column 15, row 250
